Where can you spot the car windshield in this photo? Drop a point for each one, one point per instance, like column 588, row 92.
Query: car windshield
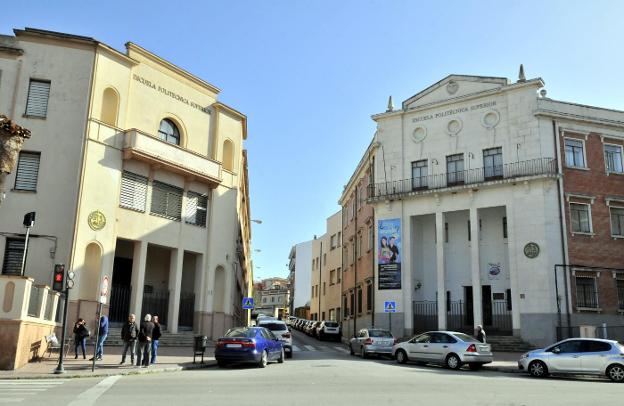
column 466, row 338
column 379, row 333
column 241, row 332
column 331, row 324
column 274, row 326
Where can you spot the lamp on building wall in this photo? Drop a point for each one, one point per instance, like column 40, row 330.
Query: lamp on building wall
column 434, row 161
column 418, row 285
column 256, row 221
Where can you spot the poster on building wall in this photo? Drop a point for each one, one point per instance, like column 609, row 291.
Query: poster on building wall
column 494, row 271
column 389, row 254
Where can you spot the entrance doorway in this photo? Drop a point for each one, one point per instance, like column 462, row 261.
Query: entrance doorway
column 121, row 284
column 486, row 305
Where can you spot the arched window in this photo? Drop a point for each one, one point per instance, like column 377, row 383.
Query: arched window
column 228, row 155
column 110, row 106
column 169, row 132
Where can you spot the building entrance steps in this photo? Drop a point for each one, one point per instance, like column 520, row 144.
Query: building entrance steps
column 508, row 344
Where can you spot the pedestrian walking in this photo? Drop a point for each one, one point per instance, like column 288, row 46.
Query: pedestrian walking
column 156, row 333
column 81, row 332
column 481, row 334
column 129, row 335
column 102, row 334
column 145, row 341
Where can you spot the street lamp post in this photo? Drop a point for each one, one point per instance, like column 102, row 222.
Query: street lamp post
column 29, row 222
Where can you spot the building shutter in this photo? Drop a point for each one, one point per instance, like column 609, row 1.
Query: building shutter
column 13, row 252
column 27, row 171
column 166, row 201
column 196, row 209
column 38, row 94
column 133, row 191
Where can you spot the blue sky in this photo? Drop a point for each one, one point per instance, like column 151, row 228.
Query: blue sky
column 309, row 74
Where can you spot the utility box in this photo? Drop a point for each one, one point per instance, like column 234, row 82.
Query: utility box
column 587, row 331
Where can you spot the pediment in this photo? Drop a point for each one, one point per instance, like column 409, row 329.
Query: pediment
column 453, row 87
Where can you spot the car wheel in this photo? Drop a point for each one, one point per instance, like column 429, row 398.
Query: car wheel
column 264, row 359
column 616, row 373
column 281, row 357
column 401, row 357
column 289, row 354
column 453, row 362
column 538, row 369
column 221, row 364
column 475, row 366
column 351, row 350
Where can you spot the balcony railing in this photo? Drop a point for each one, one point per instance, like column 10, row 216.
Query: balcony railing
column 155, row 151
column 534, row 167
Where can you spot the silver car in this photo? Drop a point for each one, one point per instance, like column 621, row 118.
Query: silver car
column 584, row 356
column 372, row 341
column 448, row 348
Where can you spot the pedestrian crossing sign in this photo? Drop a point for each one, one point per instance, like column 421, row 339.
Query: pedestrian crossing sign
column 390, row 306
column 248, row 303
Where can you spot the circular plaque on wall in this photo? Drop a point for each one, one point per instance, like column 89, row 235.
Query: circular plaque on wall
column 531, row 250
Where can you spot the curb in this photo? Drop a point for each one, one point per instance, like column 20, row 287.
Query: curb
column 72, row 375
column 505, row 369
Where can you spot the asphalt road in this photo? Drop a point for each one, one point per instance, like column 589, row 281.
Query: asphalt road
column 320, row 373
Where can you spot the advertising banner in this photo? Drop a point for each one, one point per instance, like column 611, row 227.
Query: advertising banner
column 389, row 253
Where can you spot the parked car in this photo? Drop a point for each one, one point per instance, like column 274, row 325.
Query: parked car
column 281, row 331
column 328, row 330
column 249, row 345
column 577, row 356
column 308, row 326
column 448, row 348
column 311, row 331
column 372, row 341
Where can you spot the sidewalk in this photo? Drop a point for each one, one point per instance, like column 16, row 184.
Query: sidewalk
column 504, row 362
column 170, row 359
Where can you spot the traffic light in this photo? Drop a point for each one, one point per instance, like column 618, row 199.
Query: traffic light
column 59, row 278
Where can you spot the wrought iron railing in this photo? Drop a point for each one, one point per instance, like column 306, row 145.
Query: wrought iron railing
column 120, row 303
column 459, row 316
column 533, row 167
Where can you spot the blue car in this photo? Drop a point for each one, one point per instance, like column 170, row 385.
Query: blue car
column 255, row 345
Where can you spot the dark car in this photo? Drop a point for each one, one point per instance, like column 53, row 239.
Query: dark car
column 255, row 345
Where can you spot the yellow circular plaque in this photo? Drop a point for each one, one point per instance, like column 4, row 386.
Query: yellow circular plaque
column 96, row 220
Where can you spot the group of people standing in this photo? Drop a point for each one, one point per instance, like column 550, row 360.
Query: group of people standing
column 145, row 337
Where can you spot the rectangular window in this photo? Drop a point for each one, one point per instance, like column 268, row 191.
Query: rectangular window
column 352, row 307
column 312, row 291
column 344, row 307
column 13, row 253
column 359, row 245
column 338, row 271
column 446, row 232
column 332, row 277
column 493, row 163
column 332, row 241
column 580, row 218
column 575, row 156
column 586, row 294
column 324, row 259
column 359, row 300
column 613, row 158
column 27, row 171
column 38, row 95
column 617, row 221
column 324, row 288
column 196, row 209
column 369, row 297
column 419, row 174
column 455, row 169
column 469, row 231
column 353, row 252
column 504, row 227
column 166, row 201
column 371, row 237
column 620, row 291
column 133, row 191
column 339, row 239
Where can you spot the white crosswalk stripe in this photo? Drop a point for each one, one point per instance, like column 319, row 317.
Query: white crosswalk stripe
column 309, row 348
column 295, row 348
column 14, row 390
column 320, row 348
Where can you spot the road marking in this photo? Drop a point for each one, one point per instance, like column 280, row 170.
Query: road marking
column 295, row 348
column 11, row 400
column 31, row 382
column 309, row 348
column 91, row 395
column 23, row 389
column 341, row 349
column 9, row 388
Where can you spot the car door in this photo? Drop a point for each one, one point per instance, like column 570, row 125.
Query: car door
column 594, row 356
column 418, row 347
column 565, row 357
column 439, row 346
column 274, row 344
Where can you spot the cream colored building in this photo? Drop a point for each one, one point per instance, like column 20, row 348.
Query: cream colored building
column 137, row 174
column 327, row 271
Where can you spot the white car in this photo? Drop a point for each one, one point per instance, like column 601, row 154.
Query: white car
column 280, row 330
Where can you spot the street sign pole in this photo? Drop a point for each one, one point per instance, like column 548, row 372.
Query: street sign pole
column 97, row 336
column 60, row 369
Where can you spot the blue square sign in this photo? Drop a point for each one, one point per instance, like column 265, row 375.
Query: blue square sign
column 248, row 303
column 390, row 306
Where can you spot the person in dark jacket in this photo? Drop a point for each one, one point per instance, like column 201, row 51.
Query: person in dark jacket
column 145, row 341
column 102, row 334
column 80, row 337
column 129, row 335
column 156, row 333
column 480, row 334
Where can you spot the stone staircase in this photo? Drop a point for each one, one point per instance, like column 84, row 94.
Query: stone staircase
column 181, row 339
column 508, row 344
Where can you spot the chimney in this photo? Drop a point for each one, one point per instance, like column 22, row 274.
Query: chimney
column 521, row 77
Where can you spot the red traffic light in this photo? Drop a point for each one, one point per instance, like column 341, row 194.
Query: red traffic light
column 58, row 277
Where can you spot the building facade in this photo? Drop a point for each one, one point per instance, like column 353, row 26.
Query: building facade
column 138, row 176
column 327, row 271
column 272, row 297
column 300, row 274
column 466, row 210
column 358, row 248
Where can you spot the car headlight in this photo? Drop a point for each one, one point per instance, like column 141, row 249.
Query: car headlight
column 525, row 355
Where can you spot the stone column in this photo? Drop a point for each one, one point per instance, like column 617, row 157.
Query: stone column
column 440, row 270
column 513, row 270
column 477, row 306
column 175, row 284
column 139, row 261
